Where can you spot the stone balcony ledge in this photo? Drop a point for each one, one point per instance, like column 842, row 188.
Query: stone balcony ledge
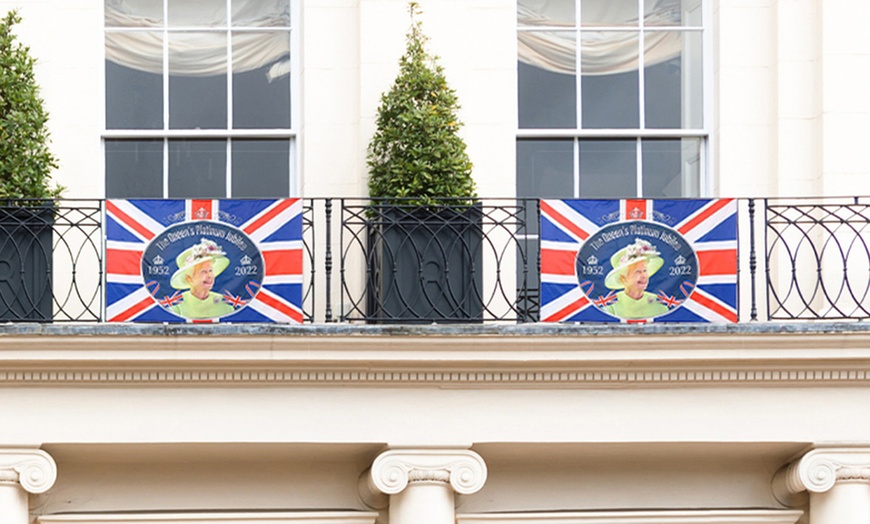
column 437, row 330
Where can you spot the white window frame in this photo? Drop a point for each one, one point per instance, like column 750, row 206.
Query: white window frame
column 706, row 178
column 228, row 134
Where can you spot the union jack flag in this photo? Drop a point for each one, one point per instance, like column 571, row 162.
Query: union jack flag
column 273, row 226
column 605, row 300
column 234, row 300
column 668, row 300
column 169, row 301
column 708, row 226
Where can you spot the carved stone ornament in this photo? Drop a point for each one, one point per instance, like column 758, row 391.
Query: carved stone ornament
column 34, row 469
column 463, row 470
column 820, row 469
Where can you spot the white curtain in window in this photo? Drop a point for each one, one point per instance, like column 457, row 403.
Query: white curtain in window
column 198, row 53
column 601, row 53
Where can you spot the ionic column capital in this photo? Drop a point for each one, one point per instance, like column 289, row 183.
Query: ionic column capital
column 33, row 469
column 820, row 469
column 462, row 469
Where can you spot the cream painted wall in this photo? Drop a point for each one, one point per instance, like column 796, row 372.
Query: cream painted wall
column 476, row 43
column 845, row 56
column 791, row 115
column 744, row 98
column 329, row 135
column 434, row 417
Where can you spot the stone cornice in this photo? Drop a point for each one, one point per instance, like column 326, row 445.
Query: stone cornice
column 712, row 516
column 284, row 517
column 491, row 359
column 34, row 469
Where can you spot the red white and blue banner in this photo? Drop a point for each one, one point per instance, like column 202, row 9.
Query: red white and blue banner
column 639, row 261
column 204, row 261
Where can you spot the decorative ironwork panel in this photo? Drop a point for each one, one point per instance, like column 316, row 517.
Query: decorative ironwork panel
column 818, row 259
column 51, row 261
column 455, row 262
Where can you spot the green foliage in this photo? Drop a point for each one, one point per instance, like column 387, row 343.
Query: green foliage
column 416, row 156
column 25, row 160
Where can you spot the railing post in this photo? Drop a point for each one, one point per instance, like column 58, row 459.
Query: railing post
column 524, row 312
column 341, row 314
column 538, row 255
column 328, row 258
column 767, row 253
column 753, row 311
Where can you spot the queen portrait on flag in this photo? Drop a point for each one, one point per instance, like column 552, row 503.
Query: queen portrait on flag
column 633, row 266
column 198, row 266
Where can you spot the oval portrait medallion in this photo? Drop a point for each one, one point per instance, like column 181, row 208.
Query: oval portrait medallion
column 202, row 269
column 637, row 269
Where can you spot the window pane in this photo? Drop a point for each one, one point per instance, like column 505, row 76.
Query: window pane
column 662, row 104
column 129, row 14
column 134, row 99
column 261, row 13
column 673, row 13
column 609, row 87
column 608, row 169
column 134, row 168
column 693, row 81
column 671, row 168
column 547, row 89
column 197, row 168
column 261, row 94
column 545, row 168
column 608, row 12
column 197, row 13
column 197, row 99
column 673, row 88
column 261, row 168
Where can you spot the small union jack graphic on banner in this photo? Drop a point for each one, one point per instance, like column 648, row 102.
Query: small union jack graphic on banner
column 204, row 260
column 639, row 261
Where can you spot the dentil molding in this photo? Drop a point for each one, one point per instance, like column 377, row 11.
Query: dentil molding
column 33, row 469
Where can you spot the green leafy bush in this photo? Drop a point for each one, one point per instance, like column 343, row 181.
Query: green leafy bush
column 416, row 156
column 25, row 160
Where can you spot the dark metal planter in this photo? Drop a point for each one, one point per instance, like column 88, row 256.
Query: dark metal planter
column 424, row 264
column 26, row 263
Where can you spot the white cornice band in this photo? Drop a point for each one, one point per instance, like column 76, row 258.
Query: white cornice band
column 827, row 359
column 295, row 517
column 714, row 516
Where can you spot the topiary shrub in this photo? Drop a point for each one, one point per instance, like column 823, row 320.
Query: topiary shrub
column 416, row 156
column 25, row 160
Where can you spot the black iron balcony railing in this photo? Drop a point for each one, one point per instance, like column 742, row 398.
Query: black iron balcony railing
column 817, row 259
column 798, row 260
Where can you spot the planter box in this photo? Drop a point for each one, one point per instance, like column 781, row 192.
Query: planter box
column 425, row 265
column 25, row 263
